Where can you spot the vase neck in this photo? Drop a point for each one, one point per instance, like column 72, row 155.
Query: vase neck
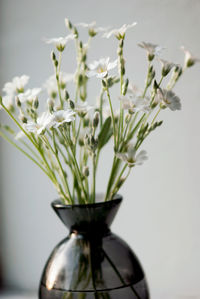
column 89, row 219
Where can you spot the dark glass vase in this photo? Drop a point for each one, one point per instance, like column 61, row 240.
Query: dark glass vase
column 92, row 262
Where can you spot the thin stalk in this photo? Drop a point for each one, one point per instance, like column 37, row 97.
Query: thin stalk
column 76, row 167
column 146, row 85
column 93, row 177
column 126, row 128
column 24, row 143
column 113, row 174
column 116, row 188
column 121, row 118
column 55, row 153
column 101, row 109
column 58, row 78
column 120, row 175
column 112, row 115
column 32, row 140
column 24, row 152
column 156, row 116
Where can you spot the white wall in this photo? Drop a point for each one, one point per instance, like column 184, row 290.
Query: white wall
column 160, row 214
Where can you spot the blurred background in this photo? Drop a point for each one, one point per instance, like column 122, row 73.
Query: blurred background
column 159, row 217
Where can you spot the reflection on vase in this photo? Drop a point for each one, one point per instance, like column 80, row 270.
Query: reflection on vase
column 92, row 262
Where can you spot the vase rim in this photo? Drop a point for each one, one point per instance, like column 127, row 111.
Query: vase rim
column 58, row 204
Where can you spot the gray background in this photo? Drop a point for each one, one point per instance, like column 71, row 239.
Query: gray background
column 160, row 214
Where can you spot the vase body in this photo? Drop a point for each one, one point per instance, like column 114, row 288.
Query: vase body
column 92, row 262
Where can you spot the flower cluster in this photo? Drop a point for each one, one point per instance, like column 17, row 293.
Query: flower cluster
column 67, row 136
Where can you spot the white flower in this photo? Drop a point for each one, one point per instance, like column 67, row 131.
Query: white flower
column 130, row 156
column 167, row 98
column 135, row 104
column 151, row 49
column 60, row 42
column 134, row 90
column 29, row 95
column 17, row 85
column 82, row 109
column 7, row 101
column 166, row 66
column 43, row 122
column 19, row 135
column 51, row 83
column 190, row 60
column 62, row 116
column 92, row 28
column 107, row 112
column 119, row 33
column 100, row 68
column 51, row 86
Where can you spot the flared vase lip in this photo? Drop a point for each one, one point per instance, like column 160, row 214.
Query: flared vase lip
column 117, row 199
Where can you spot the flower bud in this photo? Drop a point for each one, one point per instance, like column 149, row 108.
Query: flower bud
column 86, row 171
column 151, row 57
column 81, row 142
column 54, row 94
column 36, row 103
column 18, row 102
column 62, row 85
column 71, row 104
column 178, row 72
column 104, row 83
column 86, row 122
column 121, row 43
column 86, row 140
column 80, row 79
column 155, row 85
column 75, row 32
column 56, row 63
column 66, row 95
column 95, row 119
column 84, row 57
column 81, row 45
column 50, row 103
column 53, row 56
column 92, row 140
column 23, row 118
column 92, row 32
column 125, row 86
column 122, row 66
column 68, row 23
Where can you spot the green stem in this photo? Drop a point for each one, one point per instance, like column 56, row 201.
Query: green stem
column 93, row 177
column 112, row 115
column 79, row 177
column 101, row 108
column 146, row 85
column 32, row 140
column 55, row 153
column 116, row 187
column 156, row 116
column 24, row 152
column 58, row 79
column 113, row 174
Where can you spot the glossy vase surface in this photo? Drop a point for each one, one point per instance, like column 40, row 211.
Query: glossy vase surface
column 92, row 262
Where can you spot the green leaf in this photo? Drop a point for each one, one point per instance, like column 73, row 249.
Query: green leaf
column 105, row 133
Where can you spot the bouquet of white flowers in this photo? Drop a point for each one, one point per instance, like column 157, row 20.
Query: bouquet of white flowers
column 67, row 138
